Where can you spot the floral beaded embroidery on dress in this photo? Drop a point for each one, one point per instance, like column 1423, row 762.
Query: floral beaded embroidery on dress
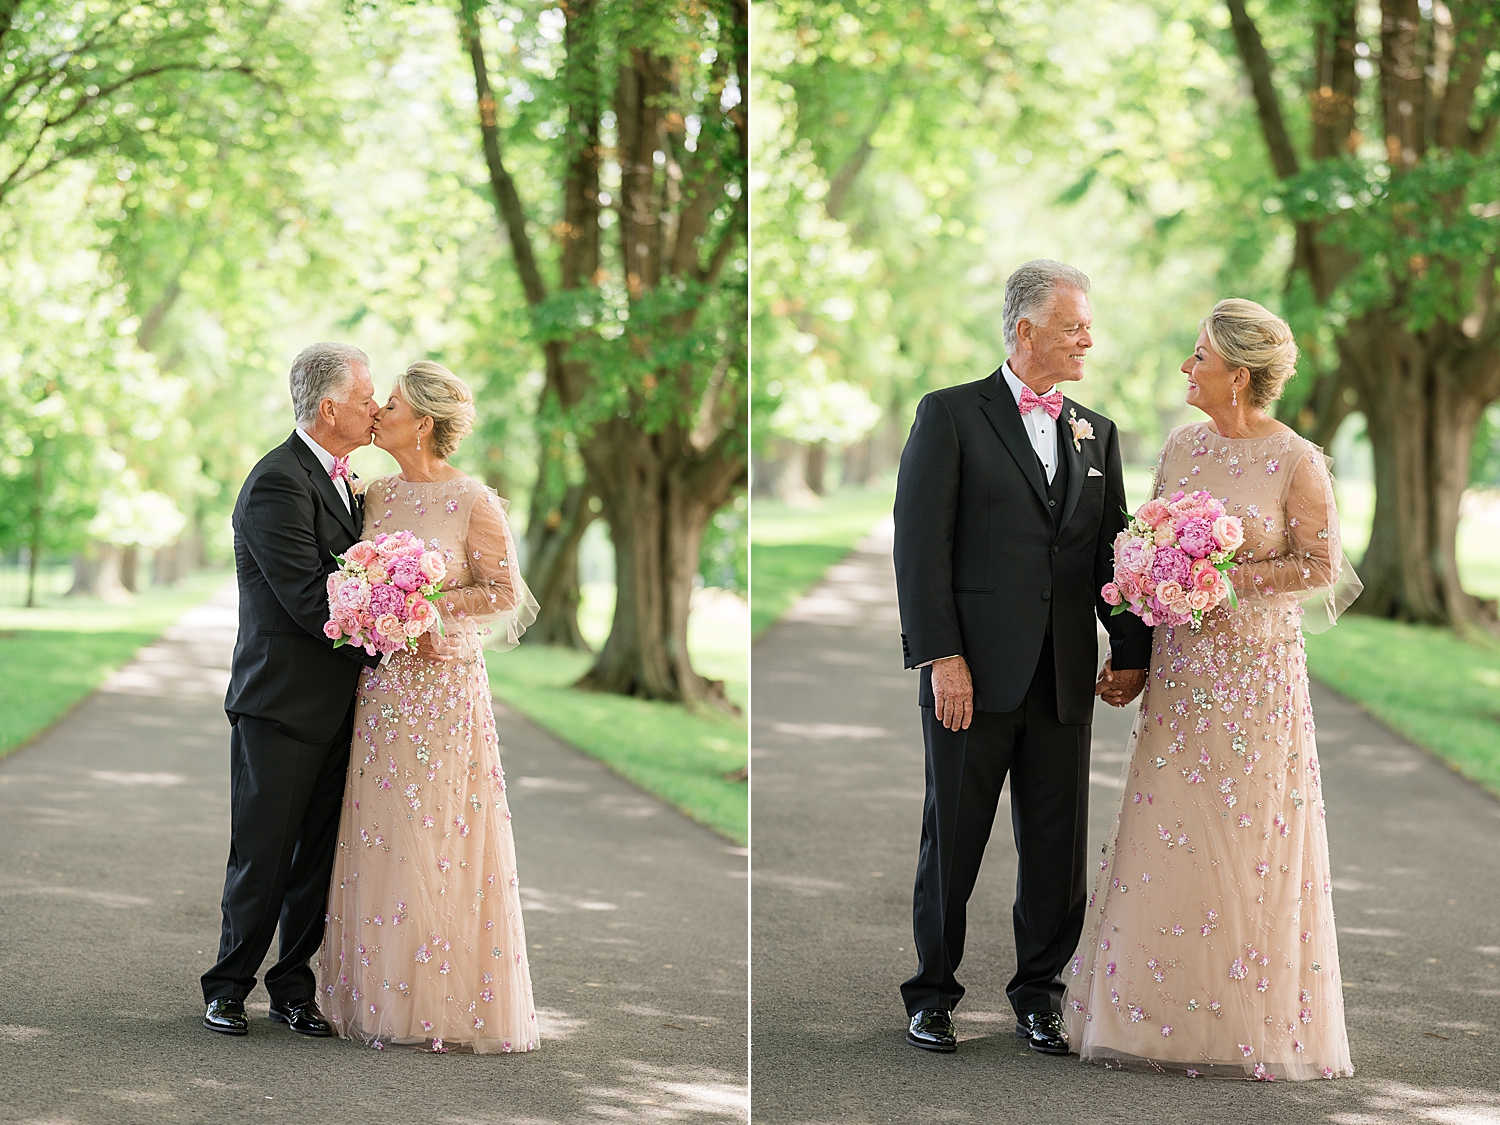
column 424, row 941
column 1210, row 947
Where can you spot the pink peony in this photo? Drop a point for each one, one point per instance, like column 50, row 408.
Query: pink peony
column 433, row 567
column 1229, row 532
column 1133, row 554
column 1195, row 535
column 1110, row 593
column 353, row 593
column 1171, row 564
column 1154, row 512
column 406, row 573
column 386, row 598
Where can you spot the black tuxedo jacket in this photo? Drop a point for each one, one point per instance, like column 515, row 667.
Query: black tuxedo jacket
column 289, row 522
column 982, row 567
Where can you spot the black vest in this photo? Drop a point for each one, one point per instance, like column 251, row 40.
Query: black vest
column 1057, row 488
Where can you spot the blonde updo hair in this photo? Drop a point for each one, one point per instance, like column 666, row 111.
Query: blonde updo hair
column 1253, row 337
column 435, row 392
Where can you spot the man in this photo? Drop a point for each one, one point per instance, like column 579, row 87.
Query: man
column 1007, row 505
column 291, row 694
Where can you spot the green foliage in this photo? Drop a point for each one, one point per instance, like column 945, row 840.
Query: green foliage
column 725, row 558
column 791, row 548
column 1435, row 689
column 56, row 655
column 683, row 757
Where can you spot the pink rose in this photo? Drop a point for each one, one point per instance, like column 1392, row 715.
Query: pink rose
column 1110, row 593
column 434, row 569
column 1229, row 532
column 415, row 628
column 375, row 572
column 388, row 625
column 1169, row 593
column 331, row 630
column 361, row 553
column 1200, row 599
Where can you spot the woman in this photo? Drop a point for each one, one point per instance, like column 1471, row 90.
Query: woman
column 1210, row 949
column 424, row 942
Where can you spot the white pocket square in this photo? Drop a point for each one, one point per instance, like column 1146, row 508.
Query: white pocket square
column 1093, row 472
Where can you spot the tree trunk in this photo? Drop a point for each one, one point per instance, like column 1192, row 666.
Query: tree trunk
column 96, row 574
column 657, row 504
column 1421, row 422
column 130, row 568
column 552, row 538
column 38, row 480
column 815, row 467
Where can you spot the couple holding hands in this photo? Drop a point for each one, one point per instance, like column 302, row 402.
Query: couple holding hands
column 1206, row 946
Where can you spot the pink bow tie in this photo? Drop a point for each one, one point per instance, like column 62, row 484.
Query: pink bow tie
column 1051, row 402
column 341, row 464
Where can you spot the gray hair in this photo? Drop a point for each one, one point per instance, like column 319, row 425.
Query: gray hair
column 322, row 371
column 1028, row 290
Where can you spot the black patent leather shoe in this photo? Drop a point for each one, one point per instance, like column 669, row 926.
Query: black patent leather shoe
column 1044, row 1032
column 932, row 1030
column 226, row 1015
column 303, row 1017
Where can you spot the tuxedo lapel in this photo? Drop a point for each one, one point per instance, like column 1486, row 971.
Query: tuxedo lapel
column 323, row 485
column 1000, row 409
column 1077, row 465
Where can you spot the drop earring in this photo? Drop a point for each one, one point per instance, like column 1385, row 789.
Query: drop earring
column 419, row 441
column 1234, row 400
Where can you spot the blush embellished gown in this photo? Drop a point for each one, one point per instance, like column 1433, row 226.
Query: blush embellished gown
column 1210, row 947
column 424, row 942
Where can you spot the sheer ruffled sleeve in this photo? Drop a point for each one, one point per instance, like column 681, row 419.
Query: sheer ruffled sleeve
column 495, row 607
column 1313, row 566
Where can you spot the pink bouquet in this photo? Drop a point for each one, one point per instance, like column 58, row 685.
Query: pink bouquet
column 1171, row 560
column 381, row 596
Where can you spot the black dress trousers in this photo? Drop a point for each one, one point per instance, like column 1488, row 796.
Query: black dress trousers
column 285, row 800
column 1048, row 764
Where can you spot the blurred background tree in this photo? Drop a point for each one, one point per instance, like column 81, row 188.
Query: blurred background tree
column 190, row 194
column 910, row 156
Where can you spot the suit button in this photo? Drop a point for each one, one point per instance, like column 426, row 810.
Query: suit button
column 1051, row 503
column 1046, row 595
column 1055, row 549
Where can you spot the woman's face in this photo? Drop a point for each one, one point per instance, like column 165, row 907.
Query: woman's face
column 1210, row 382
column 398, row 428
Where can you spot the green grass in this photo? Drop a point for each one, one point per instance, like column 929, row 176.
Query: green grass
column 1439, row 691
column 682, row 756
column 790, row 548
column 59, row 652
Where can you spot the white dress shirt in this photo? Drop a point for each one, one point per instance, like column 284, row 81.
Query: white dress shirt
column 326, row 459
column 1040, row 425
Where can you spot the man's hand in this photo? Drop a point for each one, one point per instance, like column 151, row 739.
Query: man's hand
column 1119, row 688
column 953, row 692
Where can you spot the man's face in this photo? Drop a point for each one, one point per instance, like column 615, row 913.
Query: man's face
column 1056, row 345
column 354, row 416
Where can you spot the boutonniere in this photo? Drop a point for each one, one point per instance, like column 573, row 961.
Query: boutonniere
column 1083, row 430
column 356, row 487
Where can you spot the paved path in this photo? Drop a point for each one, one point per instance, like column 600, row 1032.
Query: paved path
column 113, row 834
column 836, row 817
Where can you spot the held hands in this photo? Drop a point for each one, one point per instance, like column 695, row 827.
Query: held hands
column 427, row 649
column 953, row 692
column 1119, row 688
